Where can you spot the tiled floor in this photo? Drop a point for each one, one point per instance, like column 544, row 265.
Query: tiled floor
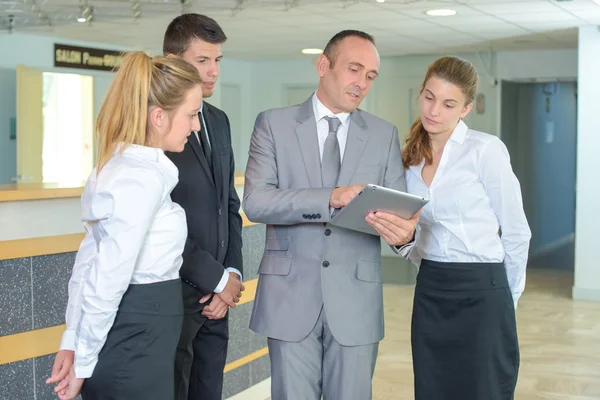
column 559, row 339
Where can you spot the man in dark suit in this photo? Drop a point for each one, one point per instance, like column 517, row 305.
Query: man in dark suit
column 212, row 259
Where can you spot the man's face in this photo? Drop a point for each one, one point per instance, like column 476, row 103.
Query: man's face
column 355, row 67
column 206, row 57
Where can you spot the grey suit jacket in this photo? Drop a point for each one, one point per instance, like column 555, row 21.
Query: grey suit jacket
column 307, row 262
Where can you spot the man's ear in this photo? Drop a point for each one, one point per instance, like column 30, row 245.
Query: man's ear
column 323, row 64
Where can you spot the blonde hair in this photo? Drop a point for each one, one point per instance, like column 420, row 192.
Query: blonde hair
column 457, row 71
column 140, row 83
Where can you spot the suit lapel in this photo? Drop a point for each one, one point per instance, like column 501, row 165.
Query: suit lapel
column 195, row 145
column 358, row 136
column 306, row 131
column 214, row 138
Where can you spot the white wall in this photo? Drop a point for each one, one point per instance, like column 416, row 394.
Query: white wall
column 264, row 85
column 587, row 273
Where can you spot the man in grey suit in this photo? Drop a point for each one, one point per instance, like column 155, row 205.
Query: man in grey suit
column 319, row 297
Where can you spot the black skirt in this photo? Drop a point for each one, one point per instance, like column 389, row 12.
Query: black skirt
column 138, row 358
column 464, row 334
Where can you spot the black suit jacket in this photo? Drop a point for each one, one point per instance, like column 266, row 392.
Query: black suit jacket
column 212, row 209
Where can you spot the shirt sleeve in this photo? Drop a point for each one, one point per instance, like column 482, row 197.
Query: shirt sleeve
column 127, row 206
column 504, row 192
column 83, row 262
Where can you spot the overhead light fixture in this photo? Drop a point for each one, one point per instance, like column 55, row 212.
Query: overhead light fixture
column 81, row 19
column 441, row 13
column 312, row 51
column 380, row 1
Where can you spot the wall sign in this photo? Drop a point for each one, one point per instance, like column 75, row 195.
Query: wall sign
column 86, row 58
column 480, row 103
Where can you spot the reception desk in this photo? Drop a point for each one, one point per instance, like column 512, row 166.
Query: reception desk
column 40, row 232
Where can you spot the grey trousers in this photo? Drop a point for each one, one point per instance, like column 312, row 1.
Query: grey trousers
column 320, row 366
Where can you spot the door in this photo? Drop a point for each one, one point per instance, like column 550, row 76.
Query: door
column 30, row 125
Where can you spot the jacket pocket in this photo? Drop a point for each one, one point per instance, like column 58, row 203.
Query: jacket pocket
column 275, row 265
column 277, row 244
column 369, row 272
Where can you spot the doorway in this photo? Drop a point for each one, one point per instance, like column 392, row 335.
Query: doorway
column 539, row 128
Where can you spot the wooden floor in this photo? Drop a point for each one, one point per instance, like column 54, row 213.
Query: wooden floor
column 559, row 340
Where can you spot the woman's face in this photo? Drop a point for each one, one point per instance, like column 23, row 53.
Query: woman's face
column 442, row 105
column 174, row 128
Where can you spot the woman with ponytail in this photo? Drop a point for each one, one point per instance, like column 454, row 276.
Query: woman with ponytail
column 125, row 306
column 464, row 336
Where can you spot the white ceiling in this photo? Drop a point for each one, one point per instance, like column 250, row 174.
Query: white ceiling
column 268, row 29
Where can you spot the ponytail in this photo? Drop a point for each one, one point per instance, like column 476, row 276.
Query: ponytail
column 418, row 146
column 124, row 112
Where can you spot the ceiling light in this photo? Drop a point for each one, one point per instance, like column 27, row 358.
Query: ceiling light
column 380, row 1
column 440, row 13
column 312, row 51
column 81, row 19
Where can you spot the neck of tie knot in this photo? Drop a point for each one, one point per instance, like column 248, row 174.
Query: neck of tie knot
column 334, row 124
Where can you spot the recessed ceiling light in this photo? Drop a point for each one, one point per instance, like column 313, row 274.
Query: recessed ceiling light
column 81, row 19
column 380, row 1
column 441, row 13
column 312, row 51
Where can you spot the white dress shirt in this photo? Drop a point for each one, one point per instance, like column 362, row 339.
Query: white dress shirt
column 321, row 112
column 135, row 234
column 225, row 278
column 474, row 193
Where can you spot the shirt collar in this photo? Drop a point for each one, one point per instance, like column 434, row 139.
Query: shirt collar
column 460, row 132
column 321, row 112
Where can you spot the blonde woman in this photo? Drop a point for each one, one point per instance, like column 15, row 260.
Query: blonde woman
column 125, row 307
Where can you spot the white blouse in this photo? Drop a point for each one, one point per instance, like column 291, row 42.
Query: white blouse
column 473, row 195
column 135, row 234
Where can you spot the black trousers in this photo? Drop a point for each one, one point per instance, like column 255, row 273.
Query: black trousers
column 137, row 359
column 200, row 359
column 464, row 335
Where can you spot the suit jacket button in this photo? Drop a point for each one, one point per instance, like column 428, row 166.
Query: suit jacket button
column 327, row 232
column 222, row 243
column 325, row 264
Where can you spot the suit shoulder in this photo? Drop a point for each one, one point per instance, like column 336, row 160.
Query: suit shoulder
column 215, row 110
column 284, row 112
column 376, row 122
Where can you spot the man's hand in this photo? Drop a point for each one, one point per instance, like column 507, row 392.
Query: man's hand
column 341, row 196
column 72, row 387
column 394, row 230
column 217, row 308
column 232, row 292
column 62, row 365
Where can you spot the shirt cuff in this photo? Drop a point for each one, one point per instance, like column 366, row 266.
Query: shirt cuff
column 516, row 297
column 403, row 250
column 84, row 370
column 235, row 271
column 223, row 282
column 68, row 340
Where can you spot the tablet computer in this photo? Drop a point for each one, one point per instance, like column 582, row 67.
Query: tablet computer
column 376, row 198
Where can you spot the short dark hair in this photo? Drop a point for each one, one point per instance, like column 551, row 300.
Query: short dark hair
column 187, row 27
column 331, row 49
